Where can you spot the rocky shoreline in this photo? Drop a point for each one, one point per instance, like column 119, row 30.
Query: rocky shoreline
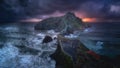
column 83, row 57
column 71, row 52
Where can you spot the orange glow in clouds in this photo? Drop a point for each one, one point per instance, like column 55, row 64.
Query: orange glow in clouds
column 35, row 20
column 89, row 19
column 85, row 17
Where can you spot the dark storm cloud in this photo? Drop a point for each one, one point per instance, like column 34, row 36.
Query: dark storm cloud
column 50, row 6
column 92, row 8
column 103, row 10
column 106, row 9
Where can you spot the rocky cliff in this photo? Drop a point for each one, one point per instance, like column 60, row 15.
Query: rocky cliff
column 71, row 53
column 64, row 24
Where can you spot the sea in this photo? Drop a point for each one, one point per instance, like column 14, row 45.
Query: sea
column 102, row 38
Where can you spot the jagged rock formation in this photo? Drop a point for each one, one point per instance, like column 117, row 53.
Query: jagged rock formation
column 62, row 59
column 71, row 53
column 66, row 55
column 65, row 24
column 70, row 46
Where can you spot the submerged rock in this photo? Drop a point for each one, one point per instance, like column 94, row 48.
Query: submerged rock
column 64, row 24
column 47, row 39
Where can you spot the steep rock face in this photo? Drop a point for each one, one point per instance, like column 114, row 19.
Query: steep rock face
column 62, row 59
column 70, row 46
column 66, row 55
column 65, row 24
column 71, row 53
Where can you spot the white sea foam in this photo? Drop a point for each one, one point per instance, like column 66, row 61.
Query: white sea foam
column 10, row 56
column 71, row 36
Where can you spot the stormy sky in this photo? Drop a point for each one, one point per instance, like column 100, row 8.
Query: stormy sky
column 100, row 10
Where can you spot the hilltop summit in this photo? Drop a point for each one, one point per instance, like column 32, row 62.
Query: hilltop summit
column 67, row 23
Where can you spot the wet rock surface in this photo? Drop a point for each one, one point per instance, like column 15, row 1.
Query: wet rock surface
column 47, row 39
column 63, row 60
column 32, row 50
column 73, row 54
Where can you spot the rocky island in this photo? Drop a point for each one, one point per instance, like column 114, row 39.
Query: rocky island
column 71, row 52
column 55, row 43
column 64, row 24
column 59, row 33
